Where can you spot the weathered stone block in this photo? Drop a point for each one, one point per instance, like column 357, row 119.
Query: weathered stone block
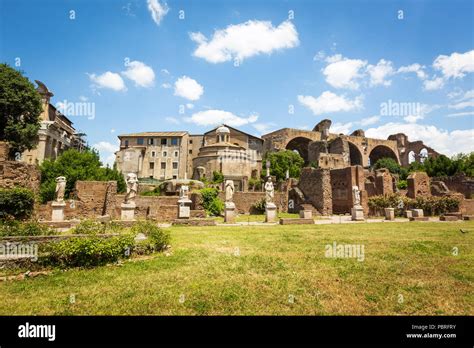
column 418, row 185
column 128, row 211
column 302, row 221
column 390, row 214
column 306, row 214
column 57, row 211
column 448, row 218
column 270, row 212
column 229, row 213
column 417, row 212
column 419, row 218
column 357, row 214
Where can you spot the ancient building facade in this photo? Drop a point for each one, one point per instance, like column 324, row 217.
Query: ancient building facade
column 56, row 133
column 329, row 150
column 179, row 155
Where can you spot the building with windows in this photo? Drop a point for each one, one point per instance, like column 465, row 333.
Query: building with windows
column 56, row 133
column 180, row 155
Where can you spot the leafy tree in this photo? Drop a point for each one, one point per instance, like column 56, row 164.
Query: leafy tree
column 217, row 177
column 20, row 109
column 75, row 165
column 282, row 161
column 392, row 166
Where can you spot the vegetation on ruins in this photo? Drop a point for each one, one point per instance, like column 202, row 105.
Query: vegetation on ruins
column 439, row 166
column 432, row 205
column 282, row 161
column 259, row 206
column 16, row 203
column 255, row 184
column 211, row 203
column 27, row 228
column 157, row 238
column 217, row 177
column 20, row 110
column 75, row 165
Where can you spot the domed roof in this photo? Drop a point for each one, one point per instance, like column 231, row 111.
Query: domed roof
column 223, row 129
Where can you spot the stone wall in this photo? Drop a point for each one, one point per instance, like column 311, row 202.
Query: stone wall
column 342, row 181
column 17, row 174
column 160, row 208
column 467, row 207
column 383, row 182
column 418, row 185
column 316, row 187
column 244, row 201
column 458, row 183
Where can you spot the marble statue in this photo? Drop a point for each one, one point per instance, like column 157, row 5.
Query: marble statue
column 183, row 192
column 60, row 189
column 356, row 194
column 132, row 187
column 269, row 191
column 229, row 190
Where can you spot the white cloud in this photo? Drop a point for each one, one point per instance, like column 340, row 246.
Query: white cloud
column 443, row 141
column 343, row 72
column 173, row 120
column 341, row 128
column 435, row 83
column 215, row 117
column 462, row 105
column 190, row 106
column 158, row 11
column 415, row 68
column 460, row 114
column 140, row 73
column 456, row 65
column 242, row 41
column 379, row 72
column 413, row 118
column 369, row 120
column 264, row 128
column 329, row 102
column 468, row 95
column 166, row 85
column 108, row 80
column 188, row 88
column 106, row 152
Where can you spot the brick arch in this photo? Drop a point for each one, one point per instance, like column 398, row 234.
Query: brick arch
column 416, row 147
column 355, row 154
column 382, row 151
column 299, row 144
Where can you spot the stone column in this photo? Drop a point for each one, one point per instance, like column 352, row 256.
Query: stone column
column 57, row 211
column 229, row 212
column 270, row 212
column 128, row 211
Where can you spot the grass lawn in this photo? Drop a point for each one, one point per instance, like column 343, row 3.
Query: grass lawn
column 409, row 268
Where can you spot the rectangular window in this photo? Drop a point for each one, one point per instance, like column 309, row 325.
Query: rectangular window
column 176, row 153
column 175, row 177
column 150, row 141
column 174, row 141
column 163, row 165
column 126, row 143
column 152, row 165
column 190, row 152
column 153, row 154
column 164, row 141
column 175, row 165
column 190, row 141
column 165, row 154
column 139, row 141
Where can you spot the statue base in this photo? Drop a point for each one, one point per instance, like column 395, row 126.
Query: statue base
column 357, row 213
column 229, row 213
column 270, row 212
column 184, row 208
column 128, row 211
column 390, row 214
column 306, row 214
column 57, row 211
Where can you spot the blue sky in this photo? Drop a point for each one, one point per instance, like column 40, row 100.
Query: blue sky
column 257, row 65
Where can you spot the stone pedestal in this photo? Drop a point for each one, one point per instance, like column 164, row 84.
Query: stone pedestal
column 229, row 213
column 184, row 208
column 390, row 214
column 270, row 212
column 357, row 213
column 128, row 211
column 417, row 212
column 57, row 211
column 306, row 214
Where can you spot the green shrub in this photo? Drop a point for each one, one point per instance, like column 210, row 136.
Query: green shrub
column 432, row 205
column 155, row 192
column 216, row 207
column 258, row 207
column 154, row 233
column 89, row 251
column 211, row 202
column 88, row 226
column 402, row 184
column 217, row 177
column 18, row 228
column 255, row 183
column 16, row 203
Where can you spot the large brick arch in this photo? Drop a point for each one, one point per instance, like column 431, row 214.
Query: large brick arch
column 382, row 151
column 355, row 155
column 299, row 144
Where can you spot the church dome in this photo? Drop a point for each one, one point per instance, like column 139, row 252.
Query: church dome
column 222, row 129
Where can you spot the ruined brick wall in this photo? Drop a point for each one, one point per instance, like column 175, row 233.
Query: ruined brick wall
column 17, row 174
column 96, row 197
column 160, row 208
column 244, row 200
column 458, row 183
column 383, row 182
column 342, row 181
column 467, row 207
column 418, row 185
column 316, row 187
